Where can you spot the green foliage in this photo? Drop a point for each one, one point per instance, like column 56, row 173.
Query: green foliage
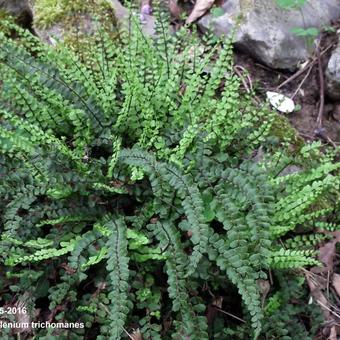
column 308, row 241
column 288, row 4
column 282, row 321
column 292, row 258
column 42, row 254
column 216, row 12
column 49, row 12
column 129, row 188
column 309, row 33
column 117, row 266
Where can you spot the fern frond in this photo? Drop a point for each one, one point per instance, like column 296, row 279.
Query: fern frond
column 117, row 266
column 191, row 325
column 287, row 258
column 191, row 199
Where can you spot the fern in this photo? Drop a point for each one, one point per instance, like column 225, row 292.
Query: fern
column 119, row 273
column 292, row 258
column 192, row 202
column 129, row 191
column 42, row 254
column 192, row 325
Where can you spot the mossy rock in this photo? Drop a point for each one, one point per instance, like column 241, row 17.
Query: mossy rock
column 17, row 10
column 51, row 12
column 286, row 133
column 71, row 21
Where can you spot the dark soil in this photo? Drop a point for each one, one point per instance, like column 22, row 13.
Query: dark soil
column 307, row 98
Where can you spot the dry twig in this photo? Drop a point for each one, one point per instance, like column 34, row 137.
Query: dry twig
column 232, row 315
column 322, row 88
column 243, row 73
column 303, row 70
column 302, row 82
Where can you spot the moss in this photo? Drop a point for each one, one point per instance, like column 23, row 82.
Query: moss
column 283, row 130
column 4, row 15
column 74, row 22
column 50, row 12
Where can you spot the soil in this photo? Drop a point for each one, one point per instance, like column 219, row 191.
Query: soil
column 307, row 98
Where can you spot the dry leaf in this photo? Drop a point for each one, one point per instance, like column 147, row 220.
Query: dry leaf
column 336, row 283
column 333, row 335
column 22, row 319
column 318, row 296
column 281, row 102
column 327, row 252
column 174, row 9
column 137, row 335
column 218, row 302
column 200, row 8
column 264, row 286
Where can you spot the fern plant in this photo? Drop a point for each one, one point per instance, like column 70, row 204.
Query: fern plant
column 133, row 160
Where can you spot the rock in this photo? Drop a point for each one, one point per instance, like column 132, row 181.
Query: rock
column 265, row 32
column 121, row 12
column 19, row 9
column 71, row 20
column 16, row 7
column 290, row 170
column 336, row 112
column 333, row 73
column 147, row 20
column 79, row 27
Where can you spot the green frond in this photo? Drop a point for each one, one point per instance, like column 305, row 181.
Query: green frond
column 187, row 191
column 130, row 196
column 117, row 266
column 287, row 258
